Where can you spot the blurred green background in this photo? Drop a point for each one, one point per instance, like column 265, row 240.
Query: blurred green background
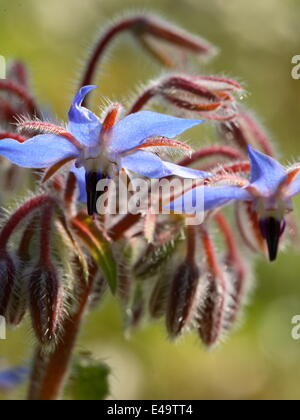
column 257, row 40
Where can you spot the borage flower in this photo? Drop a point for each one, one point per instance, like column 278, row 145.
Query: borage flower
column 102, row 149
column 269, row 190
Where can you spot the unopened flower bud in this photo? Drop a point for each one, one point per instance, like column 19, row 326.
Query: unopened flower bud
column 183, row 298
column 46, row 295
column 214, row 310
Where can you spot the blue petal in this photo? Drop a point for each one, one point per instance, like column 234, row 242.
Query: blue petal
column 80, row 176
column 83, row 123
column 266, row 172
column 213, row 197
column 151, row 166
column 11, row 377
column 38, row 152
column 134, row 129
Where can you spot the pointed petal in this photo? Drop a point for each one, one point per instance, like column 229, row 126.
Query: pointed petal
column 134, row 129
column 266, row 172
column 151, row 166
column 213, row 197
column 38, row 152
column 83, row 123
column 80, row 174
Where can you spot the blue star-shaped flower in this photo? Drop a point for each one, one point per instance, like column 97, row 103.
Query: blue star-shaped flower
column 269, row 189
column 101, row 150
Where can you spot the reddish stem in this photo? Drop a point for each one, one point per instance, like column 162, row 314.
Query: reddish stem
column 143, row 99
column 102, row 44
column 23, row 211
column 210, row 151
column 10, row 135
column 70, row 191
column 228, row 235
column 211, row 256
column 22, row 93
column 235, row 262
column 190, row 244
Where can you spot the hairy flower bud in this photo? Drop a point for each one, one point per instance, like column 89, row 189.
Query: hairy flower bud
column 214, row 311
column 183, row 298
column 46, row 296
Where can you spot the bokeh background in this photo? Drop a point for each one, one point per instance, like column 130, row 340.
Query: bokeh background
column 257, row 41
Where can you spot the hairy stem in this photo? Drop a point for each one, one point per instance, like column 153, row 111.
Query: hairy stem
column 23, row 211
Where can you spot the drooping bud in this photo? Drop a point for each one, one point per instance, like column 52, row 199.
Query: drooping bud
column 183, row 298
column 215, row 308
column 46, row 296
column 7, row 276
column 212, row 313
column 272, row 230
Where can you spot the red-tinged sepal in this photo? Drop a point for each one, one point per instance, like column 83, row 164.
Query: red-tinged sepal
column 46, row 301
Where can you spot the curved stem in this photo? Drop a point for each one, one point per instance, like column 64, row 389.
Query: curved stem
column 20, row 214
column 15, row 136
column 214, row 150
column 22, row 93
column 102, row 44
